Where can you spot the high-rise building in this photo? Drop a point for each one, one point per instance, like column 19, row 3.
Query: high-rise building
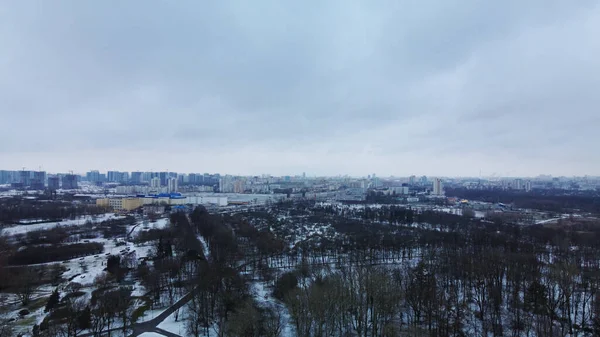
column 226, row 184
column 93, row 176
column 518, row 184
column 412, row 180
column 38, row 181
column 69, row 182
column 528, row 186
column 172, row 185
column 438, row 187
column 25, row 178
column 136, row 177
column 155, row 182
column 163, row 178
column 53, row 183
column 113, row 176
column 6, row 177
column 239, row 186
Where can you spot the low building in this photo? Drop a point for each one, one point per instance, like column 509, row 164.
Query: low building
column 207, row 200
column 164, row 199
column 402, row 190
column 120, row 204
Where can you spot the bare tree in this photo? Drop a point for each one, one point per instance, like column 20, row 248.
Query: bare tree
column 26, row 283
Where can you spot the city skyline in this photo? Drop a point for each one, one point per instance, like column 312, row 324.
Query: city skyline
column 330, row 88
column 137, row 174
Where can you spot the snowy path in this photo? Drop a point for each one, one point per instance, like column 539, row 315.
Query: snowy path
column 264, row 298
column 205, row 249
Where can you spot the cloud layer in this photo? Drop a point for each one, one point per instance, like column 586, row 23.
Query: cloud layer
column 336, row 87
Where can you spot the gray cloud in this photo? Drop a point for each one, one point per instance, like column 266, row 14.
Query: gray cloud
column 393, row 87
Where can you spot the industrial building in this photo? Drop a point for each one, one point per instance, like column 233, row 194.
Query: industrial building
column 207, row 200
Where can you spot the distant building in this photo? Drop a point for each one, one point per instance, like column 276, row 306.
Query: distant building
column 6, row 177
column 172, row 185
column 239, row 186
column 113, row 176
column 226, row 184
column 93, row 176
column 38, row 182
column 438, row 187
column 207, row 200
column 53, row 183
column 136, row 177
column 528, row 186
column 518, row 184
column 121, row 204
column 69, row 182
column 403, row 190
column 163, row 178
column 155, row 182
column 25, row 178
column 117, row 177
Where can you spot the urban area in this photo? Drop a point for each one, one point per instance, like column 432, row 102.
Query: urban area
column 170, row 254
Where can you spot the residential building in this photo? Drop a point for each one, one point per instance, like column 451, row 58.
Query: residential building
column 163, row 178
column 239, row 186
column 438, row 187
column 53, row 183
column 25, row 178
column 6, row 177
column 403, row 190
column 38, row 182
column 172, row 184
column 69, row 182
column 93, row 176
column 518, row 184
column 136, row 177
column 155, row 182
column 113, row 176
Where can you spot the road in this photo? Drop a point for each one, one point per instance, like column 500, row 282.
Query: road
column 152, row 325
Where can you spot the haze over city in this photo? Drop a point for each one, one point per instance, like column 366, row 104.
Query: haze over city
column 342, row 87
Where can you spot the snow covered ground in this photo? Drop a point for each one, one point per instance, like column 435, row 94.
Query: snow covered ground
column 22, row 229
column 170, row 325
column 263, row 296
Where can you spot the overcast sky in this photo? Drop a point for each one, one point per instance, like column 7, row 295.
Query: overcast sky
column 431, row 87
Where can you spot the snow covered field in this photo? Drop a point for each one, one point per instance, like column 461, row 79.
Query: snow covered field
column 22, row 229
